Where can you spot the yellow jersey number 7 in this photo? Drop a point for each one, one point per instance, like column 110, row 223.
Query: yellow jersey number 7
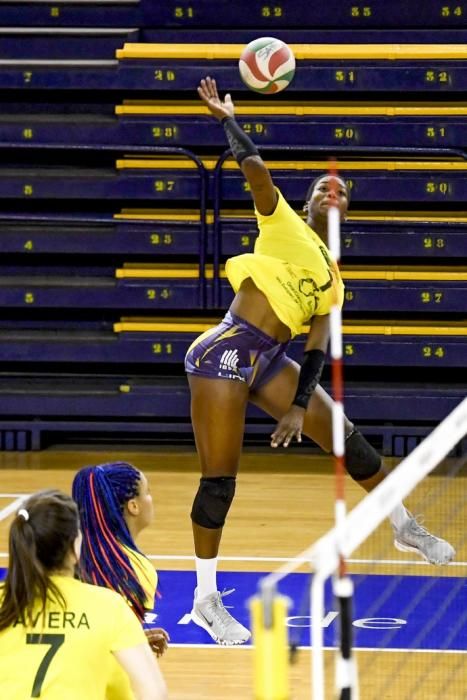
column 55, row 641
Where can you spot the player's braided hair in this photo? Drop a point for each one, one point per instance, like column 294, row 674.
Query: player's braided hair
column 101, row 492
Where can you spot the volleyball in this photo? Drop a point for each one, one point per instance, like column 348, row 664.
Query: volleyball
column 267, row 65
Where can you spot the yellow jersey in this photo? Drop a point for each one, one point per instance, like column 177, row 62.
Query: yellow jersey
column 147, row 575
column 119, row 687
column 67, row 656
column 291, row 266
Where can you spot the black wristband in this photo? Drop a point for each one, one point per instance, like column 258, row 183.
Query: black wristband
column 240, row 144
column 310, row 373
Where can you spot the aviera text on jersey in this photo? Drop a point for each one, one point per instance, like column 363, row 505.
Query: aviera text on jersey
column 56, row 619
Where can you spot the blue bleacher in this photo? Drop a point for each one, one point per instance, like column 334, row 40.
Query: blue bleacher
column 367, row 345
column 100, row 234
column 96, row 406
column 161, row 233
column 244, row 13
column 335, row 77
column 385, row 237
column 108, row 221
column 446, row 131
column 52, row 43
column 97, row 183
column 66, row 13
column 384, row 181
column 370, row 182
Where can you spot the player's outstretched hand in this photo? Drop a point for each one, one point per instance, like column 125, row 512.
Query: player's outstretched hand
column 290, row 426
column 157, row 639
column 207, row 90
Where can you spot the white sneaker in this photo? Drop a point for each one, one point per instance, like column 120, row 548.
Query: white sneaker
column 210, row 614
column 412, row 537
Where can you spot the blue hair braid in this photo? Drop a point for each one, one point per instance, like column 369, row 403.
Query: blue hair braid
column 101, row 492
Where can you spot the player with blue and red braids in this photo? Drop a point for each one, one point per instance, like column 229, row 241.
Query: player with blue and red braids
column 115, row 505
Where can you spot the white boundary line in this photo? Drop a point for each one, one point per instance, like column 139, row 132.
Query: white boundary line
column 12, row 507
column 372, row 562
column 308, row 648
column 13, row 495
column 406, row 562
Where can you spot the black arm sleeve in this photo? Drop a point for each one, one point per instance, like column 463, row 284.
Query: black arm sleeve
column 310, row 373
column 240, row 144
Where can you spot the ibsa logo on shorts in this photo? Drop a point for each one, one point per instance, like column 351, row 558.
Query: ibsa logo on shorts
column 229, row 362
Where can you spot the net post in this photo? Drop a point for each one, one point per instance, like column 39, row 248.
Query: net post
column 345, row 678
column 268, row 612
column 317, row 636
column 346, row 681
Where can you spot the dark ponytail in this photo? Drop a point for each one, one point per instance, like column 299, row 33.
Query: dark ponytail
column 41, row 536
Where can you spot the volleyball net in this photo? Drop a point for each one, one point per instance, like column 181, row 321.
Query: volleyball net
column 408, row 619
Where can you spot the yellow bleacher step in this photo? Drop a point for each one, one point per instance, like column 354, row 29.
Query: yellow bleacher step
column 282, row 109
column 317, row 52
column 426, row 274
column 132, row 325
column 162, row 215
column 393, row 165
column 194, row 215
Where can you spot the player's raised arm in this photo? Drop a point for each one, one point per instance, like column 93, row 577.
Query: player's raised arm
column 243, row 149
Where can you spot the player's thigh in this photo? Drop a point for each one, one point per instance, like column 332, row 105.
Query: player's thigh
column 276, row 396
column 218, row 409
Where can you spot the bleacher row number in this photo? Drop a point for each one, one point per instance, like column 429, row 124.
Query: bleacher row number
column 255, row 128
column 184, row 12
column 433, row 351
column 349, row 133
column 436, row 132
column 161, row 239
column 164, row 75
column 164, row 185
column 272, row 11
column 161, row 348
column 438, row 188
column 360, row 11
column 451, row 11
column 164, row 132
column 345, row 76
column 154, row 294
column 429, row 242
column 437, row 76
column 429, row 297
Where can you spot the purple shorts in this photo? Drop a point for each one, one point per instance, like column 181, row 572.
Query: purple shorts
column 236, row 350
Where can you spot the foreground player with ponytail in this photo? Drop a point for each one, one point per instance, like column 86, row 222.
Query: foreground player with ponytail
column 59, row 636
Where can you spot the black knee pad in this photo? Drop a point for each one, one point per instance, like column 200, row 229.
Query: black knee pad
column 212, row 501
column 361, row 459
